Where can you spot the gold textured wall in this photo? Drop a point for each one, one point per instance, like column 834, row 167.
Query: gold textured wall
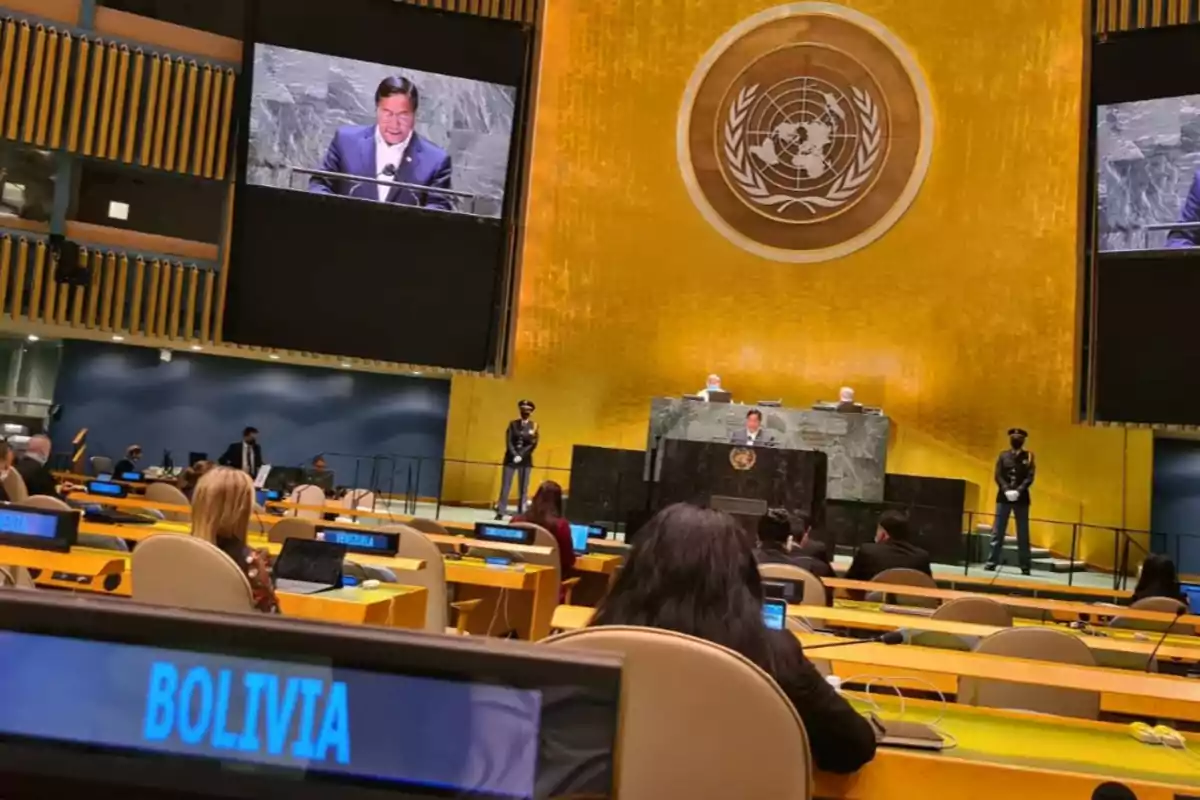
column 960, row 321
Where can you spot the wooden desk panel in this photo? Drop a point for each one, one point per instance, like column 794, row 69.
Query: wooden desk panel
column 394, row 606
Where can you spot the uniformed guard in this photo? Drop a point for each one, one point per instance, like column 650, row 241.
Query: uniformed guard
column 520, row 440
column 1014, row 476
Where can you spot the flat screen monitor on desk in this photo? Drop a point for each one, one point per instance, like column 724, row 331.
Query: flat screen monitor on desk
column 506, row 534
column 132, row 477
column 320, row 477
column 1192, row 591
column 284, row 479
column 181, row 704
column 38, row 528
column 370, row 542
column 579, row 537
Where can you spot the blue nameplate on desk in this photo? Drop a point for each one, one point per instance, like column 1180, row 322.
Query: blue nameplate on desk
column 38, row 528
column 397, row 729
column 135, row 477
column 508, row 534
column 107, row 489
column 383, row 544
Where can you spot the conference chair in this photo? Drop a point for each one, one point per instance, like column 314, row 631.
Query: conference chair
column 814, row 590
column 307, row 495
column 902, row 576
column 1165, row 605
column 977, row 611
column 96, row 540
column 165, row 493
column 429, row 526
column 544, row 538
column 14, row 486
column 413, row 544
column 292, row 528
column 359, row 498
column 186, row 572
column 101, row 465
column 1038, row 644
column 699, row 721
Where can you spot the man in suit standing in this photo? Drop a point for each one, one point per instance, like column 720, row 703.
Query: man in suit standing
column 1190, row 213
column 245, row 455
column 520, row 440
column 34, row 469
column 1014, row 475
column 890, row 549
column 752, row 435
column 388, row 150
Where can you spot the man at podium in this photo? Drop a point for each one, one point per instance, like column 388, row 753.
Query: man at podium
column 752, row 435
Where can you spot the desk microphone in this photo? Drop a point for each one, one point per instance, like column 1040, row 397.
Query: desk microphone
column 1150, row 661
column 891, row 637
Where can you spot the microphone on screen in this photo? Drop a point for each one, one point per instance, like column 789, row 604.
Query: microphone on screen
column 891, row 637
column 1150, row 661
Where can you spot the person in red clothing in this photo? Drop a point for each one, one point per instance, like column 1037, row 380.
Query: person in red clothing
column 546, row 510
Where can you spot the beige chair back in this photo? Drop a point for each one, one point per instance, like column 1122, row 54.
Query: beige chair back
column 413, row 544
column 814, row 590
column 542, row 538
column 428, row 526
column 97, row 540
column 359, row 498
column 1166, row 605
column 101, row 465
column 292, row 528
column 168, row 494
column 14, row 486
column 977, row 611
column 45, row 501
column 743, row 740
column 307, row 495
column 902, row 576
column 186, row 572
column 1040, row 644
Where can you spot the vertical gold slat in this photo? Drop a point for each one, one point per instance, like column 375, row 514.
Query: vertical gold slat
column 189, row 314
column 34, row 93
column 18, row 284
column 106, row 105
column 185, row 123
column 1113, row 8
column 93, row 305
column 1101, row 12
column 60, row 89
column 1143, row 13
column 214, row 116
column 77, row 293
column 114, row 144
column 223, row 141
column 135, row 298
column 5, row 268
column 6, row 62
column 135, row 98
column 93, row 98
column 1185, row 11
column 1123, row 15
column 106, row 299
column 18, row 81
column 164, row 298
column 152, row 298
column 51, row 288
column 47, row 93
column 81, row 64
column 202, row 119
column 1172, row 13
column 173, row 125
column 207, row 309
column 1157, row 18
column 223, row 278
column 35, row 286
column 176, row 299
column 119, row 292
column 164, row 101
column 151, row 107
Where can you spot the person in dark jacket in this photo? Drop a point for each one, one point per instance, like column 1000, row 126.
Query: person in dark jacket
column 692, row 570
column 1158, row 578
column 133, row 454
column 245, row 455
column 546, row 510
column 34, row 468
column 520, row 440
column 777, row 530
column 891, row 549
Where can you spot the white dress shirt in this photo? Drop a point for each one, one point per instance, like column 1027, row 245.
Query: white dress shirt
column 248, row 464
column 752, row 436
column 386, row 154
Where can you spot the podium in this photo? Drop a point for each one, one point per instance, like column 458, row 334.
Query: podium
column 742, row 480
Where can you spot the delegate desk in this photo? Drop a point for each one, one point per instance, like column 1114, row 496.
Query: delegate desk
column 980, row 585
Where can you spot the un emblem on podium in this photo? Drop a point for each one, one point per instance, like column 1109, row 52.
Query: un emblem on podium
column 742, row 458
column 805, row 132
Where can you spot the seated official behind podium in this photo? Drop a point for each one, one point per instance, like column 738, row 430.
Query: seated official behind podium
column 891, row 549
column 692, row 570
column 546, row 510
column 221, row 510
column 846, row 404
column 753, row 434
column 133, row 454
column 1158, row 578
column 776, row 530
column 33, row 467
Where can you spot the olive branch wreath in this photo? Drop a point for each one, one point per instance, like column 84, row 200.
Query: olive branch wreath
column 844, row 188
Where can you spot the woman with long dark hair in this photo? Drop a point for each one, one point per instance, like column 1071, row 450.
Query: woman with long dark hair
column 546, row 510
column 1158, row 579
column 693, row 571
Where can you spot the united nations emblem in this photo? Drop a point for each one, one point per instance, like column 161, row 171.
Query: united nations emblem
column 805, row 132
column 742, row 458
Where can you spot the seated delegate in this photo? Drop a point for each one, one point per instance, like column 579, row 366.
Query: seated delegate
column 692, row 570
column 890, row 550
column 546, row 511
column 1158, row 578
column 133, row 454
column 776, row 529
column 221, row 511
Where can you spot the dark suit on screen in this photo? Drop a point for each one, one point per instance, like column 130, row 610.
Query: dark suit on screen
column 37, row 477
column 352, row 152
column 875, row 557
column 1190, row 213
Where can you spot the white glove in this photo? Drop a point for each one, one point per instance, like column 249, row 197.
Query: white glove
column 516, row 459
column 1013, row 495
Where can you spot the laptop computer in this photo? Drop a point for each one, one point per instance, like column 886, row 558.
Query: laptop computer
column 306, row 566
column 1192, row 591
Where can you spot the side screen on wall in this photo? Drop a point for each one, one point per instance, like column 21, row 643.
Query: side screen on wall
column 379, row 161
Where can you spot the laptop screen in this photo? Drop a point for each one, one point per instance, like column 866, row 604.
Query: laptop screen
column 579, row 537
column 182, row 704
column 1192, row 590
column 311, row 561
column 509, row 534
column 385, row 544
